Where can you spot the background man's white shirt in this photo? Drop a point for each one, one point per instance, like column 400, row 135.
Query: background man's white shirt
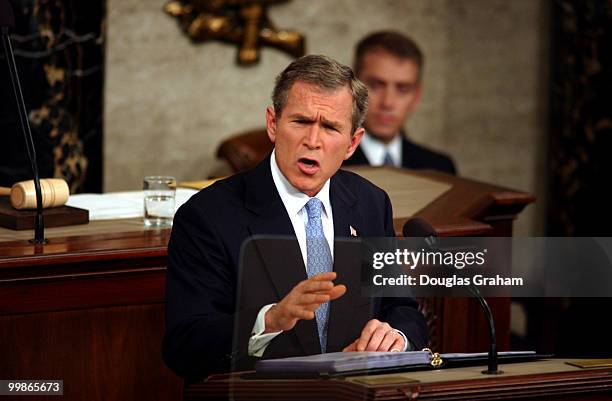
column 375, row 150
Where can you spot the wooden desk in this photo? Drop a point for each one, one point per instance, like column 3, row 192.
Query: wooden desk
column 454, row 206
column 88, row 306
column 541, row 380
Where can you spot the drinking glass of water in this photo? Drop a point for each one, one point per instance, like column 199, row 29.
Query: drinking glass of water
column 159, row 195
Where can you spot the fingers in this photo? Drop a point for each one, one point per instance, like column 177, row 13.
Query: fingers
column 308, row 299
column 387, row 341
column 312, row 285
column 322, row 284
column 336, row 292
column 366, row 335
column 299, row 312
column 327, row 276
column 352, row 347
column 392, row 341
column 303, row 300
column 399, row 345
column 379, row 336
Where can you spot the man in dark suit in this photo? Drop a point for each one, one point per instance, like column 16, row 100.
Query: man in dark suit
column 391, row 64
column 296, row 306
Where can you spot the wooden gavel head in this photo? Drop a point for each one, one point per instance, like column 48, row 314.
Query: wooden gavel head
column 55, row 193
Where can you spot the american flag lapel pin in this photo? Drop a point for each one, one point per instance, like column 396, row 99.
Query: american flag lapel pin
column 353, row 231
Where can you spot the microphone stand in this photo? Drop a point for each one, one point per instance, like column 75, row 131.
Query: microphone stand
column 39, row 224
column 418, row 227
column 492, row 357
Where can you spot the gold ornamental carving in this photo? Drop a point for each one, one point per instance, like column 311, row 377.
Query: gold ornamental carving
column 242, row 22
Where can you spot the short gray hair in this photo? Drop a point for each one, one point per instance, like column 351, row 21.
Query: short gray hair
column 327, row 74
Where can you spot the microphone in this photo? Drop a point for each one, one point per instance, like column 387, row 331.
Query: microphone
column 7, row 20
column 418, row 227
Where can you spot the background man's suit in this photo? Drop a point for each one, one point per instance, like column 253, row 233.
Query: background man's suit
column 414, row 157
column 204, row 253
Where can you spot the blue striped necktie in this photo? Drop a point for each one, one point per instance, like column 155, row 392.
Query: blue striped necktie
column 319, row 260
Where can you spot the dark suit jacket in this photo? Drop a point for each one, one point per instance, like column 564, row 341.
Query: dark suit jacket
column 414, row 157
column 202, row 280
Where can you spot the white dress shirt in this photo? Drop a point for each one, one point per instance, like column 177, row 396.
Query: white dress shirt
column 375, row 150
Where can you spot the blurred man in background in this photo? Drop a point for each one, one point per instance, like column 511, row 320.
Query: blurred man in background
column 391, row 65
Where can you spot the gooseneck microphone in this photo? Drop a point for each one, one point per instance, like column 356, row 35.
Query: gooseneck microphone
column 418, row 227
column 7, row 21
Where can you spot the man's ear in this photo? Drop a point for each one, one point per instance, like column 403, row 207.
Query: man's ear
column 355, row 139
column 271, row 123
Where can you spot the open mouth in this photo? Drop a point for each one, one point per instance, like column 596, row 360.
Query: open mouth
column 308, row 166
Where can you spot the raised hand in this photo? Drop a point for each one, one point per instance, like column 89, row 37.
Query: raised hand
column 302, row 301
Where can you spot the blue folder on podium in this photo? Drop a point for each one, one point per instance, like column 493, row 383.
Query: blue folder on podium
column 353, row 362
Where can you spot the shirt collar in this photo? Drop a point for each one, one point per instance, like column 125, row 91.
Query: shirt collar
column 375, row 150
column 293, row 199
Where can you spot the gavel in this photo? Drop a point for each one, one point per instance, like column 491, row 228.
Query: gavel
column 55, row 193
